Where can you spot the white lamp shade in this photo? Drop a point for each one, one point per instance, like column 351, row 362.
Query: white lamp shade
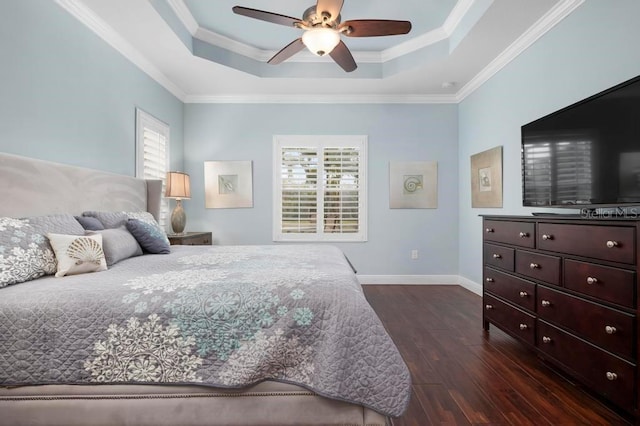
column 321, row 41
column 178, row 186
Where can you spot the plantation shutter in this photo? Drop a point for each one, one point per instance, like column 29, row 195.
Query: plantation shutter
column 560, row 172
column 341, row 195
column 152, row 159
column 299, row 190
column 320, row 188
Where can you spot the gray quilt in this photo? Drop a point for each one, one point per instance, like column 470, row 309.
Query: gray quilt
column 223, row 316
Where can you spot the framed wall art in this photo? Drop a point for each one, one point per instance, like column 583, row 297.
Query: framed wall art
column 413, row 185
column 486, row 178
column 228, row 184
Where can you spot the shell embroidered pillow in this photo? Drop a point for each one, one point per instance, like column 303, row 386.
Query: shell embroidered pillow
column 78, row 254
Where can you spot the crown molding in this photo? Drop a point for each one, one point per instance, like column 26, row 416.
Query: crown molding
column 458, row 12
column 261, row 55
column 230, row 44
column 184, row 15
column 537, row 30
column 320, row 99
column 85, row 15
column 82, row 13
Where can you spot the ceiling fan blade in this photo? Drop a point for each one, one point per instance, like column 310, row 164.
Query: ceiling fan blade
column 343, row 57
column 266, row 16
column 332, row 7
column 287, row 52
column 374, row 27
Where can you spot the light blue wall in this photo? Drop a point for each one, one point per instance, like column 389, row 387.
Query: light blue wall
column 67, row 96
column 594, row 48
column 395, row 132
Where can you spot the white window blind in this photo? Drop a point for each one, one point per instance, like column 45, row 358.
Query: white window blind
column 320, row 188
column 152, row 153
column 560, row 171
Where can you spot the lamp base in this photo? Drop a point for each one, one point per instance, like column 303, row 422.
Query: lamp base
column 178, row 218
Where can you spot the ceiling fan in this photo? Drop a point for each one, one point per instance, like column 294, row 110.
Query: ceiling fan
column 322, row 29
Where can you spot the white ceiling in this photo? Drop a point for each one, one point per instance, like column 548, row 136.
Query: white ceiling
column 202, row 52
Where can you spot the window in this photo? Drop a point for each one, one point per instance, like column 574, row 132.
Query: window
column 152, row 153
column 320, row 188
column 560, row 170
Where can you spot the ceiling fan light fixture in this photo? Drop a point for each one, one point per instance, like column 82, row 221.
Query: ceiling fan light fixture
column 321, row 41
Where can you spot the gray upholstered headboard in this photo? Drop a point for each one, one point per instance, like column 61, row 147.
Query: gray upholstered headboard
column 30, row 187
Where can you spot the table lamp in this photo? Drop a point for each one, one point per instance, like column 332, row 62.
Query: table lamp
column 178, row 188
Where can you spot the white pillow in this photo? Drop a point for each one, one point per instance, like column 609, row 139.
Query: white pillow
column 78, row 254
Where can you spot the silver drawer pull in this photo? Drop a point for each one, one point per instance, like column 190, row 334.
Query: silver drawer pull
column 489, row 280
column 545, row 303
column 523, row 327
column 534, row 266
column 547, row 237
column 546, row 339
column 489, row 230
column 488, row 307
column 496, row 256
column 611, row 376
column 592, row 280
column 610, row 330
column 612, row 244
column 523, row 294
column 524, row 235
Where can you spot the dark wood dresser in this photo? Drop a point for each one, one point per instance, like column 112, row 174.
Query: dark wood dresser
column 568, row 288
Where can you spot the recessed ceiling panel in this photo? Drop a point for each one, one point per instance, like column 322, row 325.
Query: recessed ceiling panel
column 484, row 36
column 217, row 16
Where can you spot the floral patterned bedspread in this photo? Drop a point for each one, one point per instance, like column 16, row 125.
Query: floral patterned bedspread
column 224, row 316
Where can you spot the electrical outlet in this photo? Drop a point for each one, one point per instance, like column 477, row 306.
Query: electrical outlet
column 414, row 254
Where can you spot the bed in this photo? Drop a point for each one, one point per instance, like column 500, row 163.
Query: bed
column 204, row 335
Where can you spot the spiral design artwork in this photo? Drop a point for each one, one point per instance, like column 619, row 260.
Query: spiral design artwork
column 412, row 184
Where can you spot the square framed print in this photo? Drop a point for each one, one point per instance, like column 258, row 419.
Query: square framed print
column 486, row 178
column 228, row 184
column 413, row 185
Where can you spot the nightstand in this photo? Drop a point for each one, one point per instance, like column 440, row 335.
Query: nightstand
column 191, row 239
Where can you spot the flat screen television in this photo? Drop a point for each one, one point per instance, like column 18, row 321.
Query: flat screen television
column 587, row 155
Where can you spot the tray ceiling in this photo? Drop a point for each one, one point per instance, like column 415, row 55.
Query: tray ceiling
column 202, row 52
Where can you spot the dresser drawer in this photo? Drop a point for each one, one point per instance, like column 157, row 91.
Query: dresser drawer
column 606, row 374
column 501, row 257
column 508, row 232
column 510, row 319
column 612, row 243
column 514, row 289
column 611, row 329
column 610, row 284
column 539, row 266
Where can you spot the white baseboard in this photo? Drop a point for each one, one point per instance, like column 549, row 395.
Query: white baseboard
column 421, row 280
column 472, row 286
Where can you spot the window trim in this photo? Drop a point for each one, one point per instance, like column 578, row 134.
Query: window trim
column 321, row 142
column 144, row 120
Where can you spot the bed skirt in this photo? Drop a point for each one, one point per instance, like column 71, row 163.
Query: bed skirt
column 268, row 403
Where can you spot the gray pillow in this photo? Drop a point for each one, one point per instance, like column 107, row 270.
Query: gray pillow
column 150, row 236
column 25, row 252
column 90, row 223
column 118, row 244
column 108, row 219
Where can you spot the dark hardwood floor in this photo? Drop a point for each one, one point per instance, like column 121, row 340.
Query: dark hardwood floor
column 463, row 375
